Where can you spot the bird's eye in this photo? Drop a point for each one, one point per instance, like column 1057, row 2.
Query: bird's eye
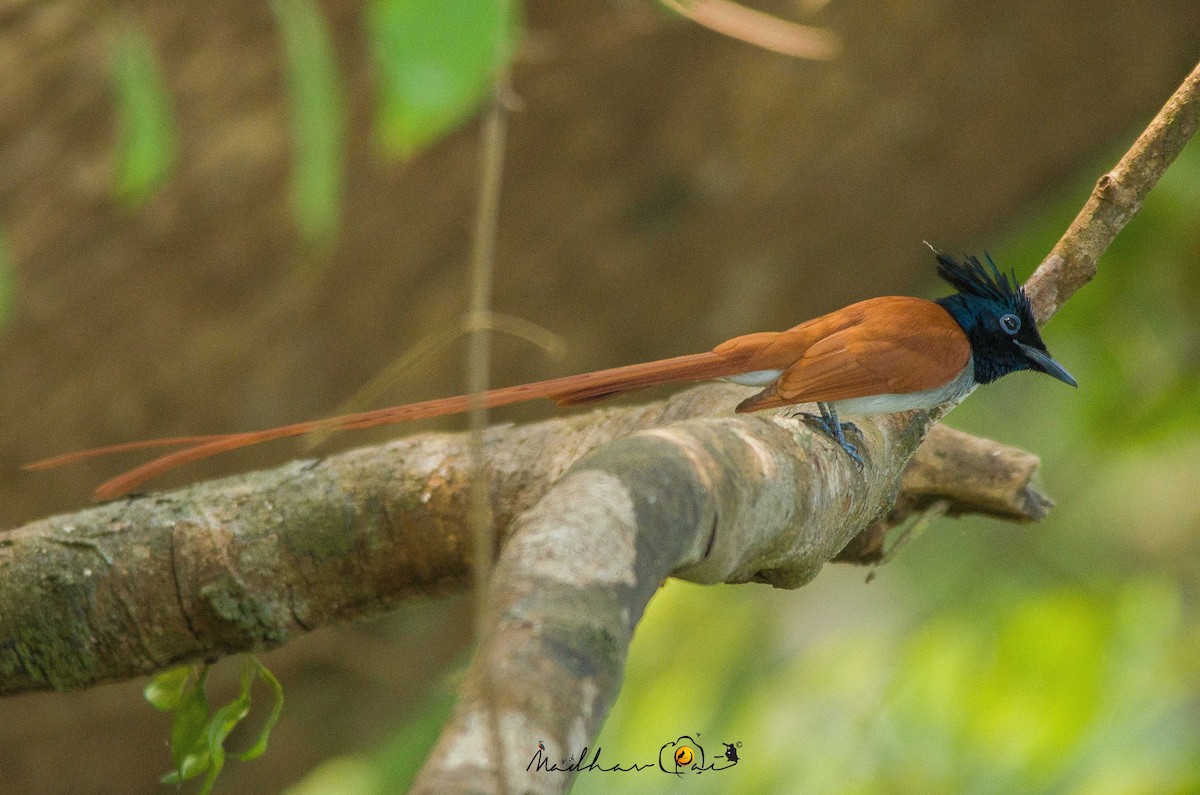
column 1010, row 323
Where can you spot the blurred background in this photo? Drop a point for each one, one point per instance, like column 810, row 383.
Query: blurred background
column 226, row 215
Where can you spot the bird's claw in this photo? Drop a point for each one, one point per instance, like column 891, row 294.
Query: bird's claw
column 852, row 451
column 815, row 421
column 849, row 428
column 837, row 433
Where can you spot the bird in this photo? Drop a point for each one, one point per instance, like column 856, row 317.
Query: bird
column 878, row 356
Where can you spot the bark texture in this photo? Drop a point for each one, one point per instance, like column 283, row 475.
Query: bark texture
column 246, row 563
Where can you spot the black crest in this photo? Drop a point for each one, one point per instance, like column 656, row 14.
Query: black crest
column 972, row 277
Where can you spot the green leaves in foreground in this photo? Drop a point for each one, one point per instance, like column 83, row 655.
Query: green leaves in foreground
column 198, row 739
column 435, row 63
column 317, row 117
column 146, row 144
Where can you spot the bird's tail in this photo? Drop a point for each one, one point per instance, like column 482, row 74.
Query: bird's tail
column 567, row 391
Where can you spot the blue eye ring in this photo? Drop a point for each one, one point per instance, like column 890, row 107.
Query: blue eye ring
column 1010, row 323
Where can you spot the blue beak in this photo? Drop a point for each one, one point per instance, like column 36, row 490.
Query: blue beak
column 1045, row 363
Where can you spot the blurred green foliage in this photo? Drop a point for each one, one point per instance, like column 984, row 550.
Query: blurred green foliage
column 317, row 111
column 1033, row 695
column 435, row 63
column 1062, row 657
column 146, row 143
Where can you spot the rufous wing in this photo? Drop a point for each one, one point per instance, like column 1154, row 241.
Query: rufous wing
column 884, row 346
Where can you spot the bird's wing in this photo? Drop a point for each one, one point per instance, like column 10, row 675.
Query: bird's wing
column 885, row 346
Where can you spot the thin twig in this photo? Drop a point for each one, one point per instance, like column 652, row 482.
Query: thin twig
column 483, row 260
column 759, row 28
column 483, row 253
column 1117, row 197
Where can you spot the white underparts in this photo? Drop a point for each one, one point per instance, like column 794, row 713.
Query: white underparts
column 886, row 404
column 879, row 404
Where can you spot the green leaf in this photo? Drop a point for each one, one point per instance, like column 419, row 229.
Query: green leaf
column 191, row 766
column 317, row 113
column 260, row 745
column 165, row 691
column 189, row 730
column 146, row 144
column 435, row 62
column 223, row 722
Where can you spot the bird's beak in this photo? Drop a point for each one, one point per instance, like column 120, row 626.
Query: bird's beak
column 1045, row 362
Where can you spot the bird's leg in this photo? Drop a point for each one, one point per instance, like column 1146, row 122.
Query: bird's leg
column 836, row 430
column 831, row 416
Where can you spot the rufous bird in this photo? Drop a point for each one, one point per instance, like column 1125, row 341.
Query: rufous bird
column 877, row 356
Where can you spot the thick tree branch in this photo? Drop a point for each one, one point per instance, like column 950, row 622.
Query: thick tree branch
column 131, row 586
column 724, row 500
column 964, row 474
column 721, row 500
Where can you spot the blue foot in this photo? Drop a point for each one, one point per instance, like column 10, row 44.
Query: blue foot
column 836, row 430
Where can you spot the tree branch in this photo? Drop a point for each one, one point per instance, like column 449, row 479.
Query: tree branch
column 241, row 564
column 1117, row 197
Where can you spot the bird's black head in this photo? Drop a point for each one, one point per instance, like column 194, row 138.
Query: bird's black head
column 995, row 313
